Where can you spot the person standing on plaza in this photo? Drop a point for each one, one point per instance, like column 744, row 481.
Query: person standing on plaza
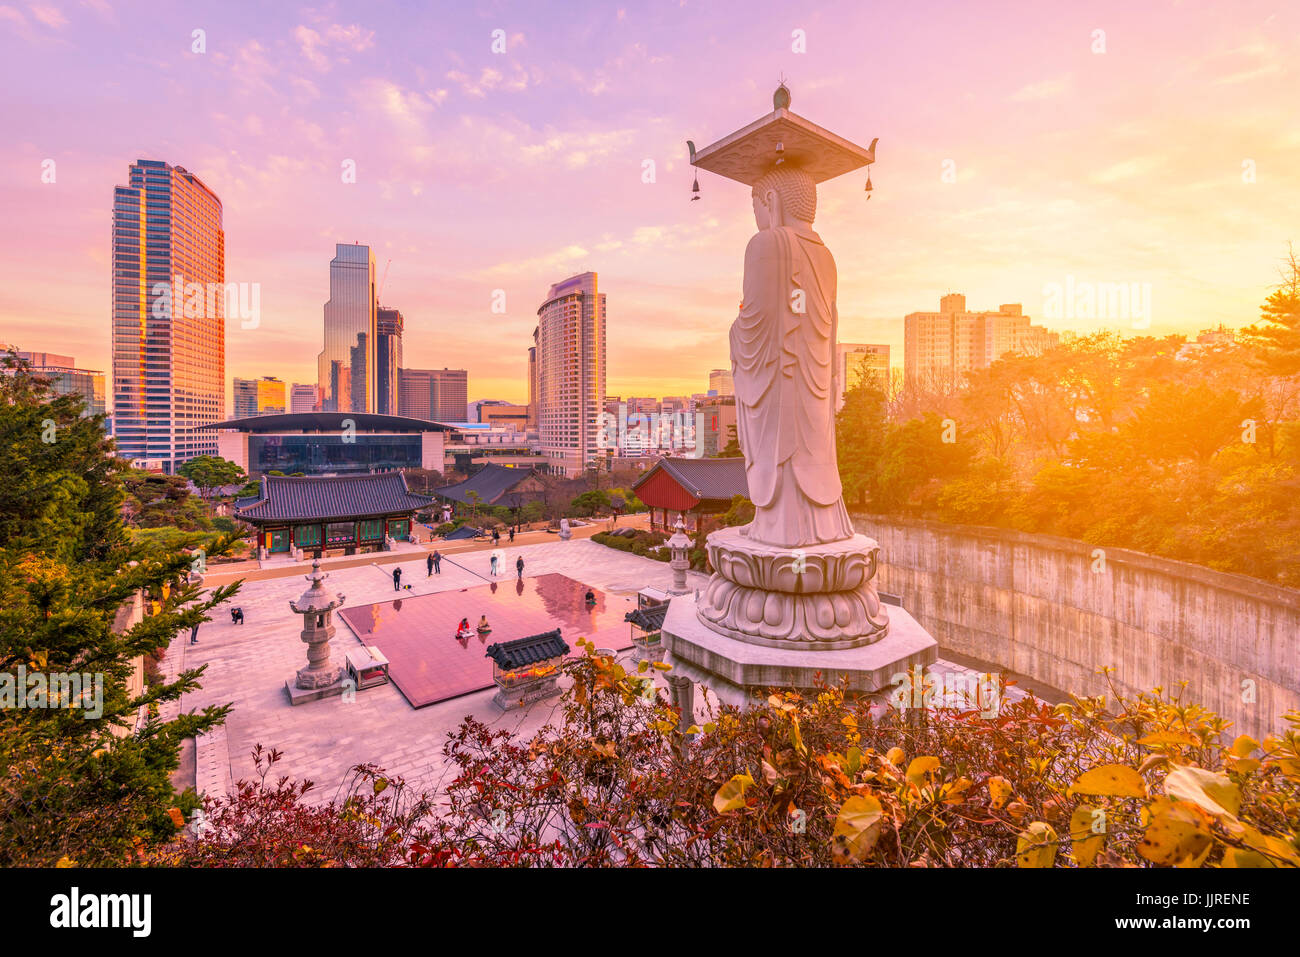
column 512, row 534
column 496, row 563
column 428, row 564
column 397, row 579
column 436, row 559
column 519, row 567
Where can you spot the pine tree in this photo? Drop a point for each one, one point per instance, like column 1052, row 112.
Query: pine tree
column 83, row 783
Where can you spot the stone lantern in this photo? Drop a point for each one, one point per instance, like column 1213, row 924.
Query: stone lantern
column 319, row 679
column 679, row 547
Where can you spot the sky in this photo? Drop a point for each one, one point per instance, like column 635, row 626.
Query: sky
column 1023, row 148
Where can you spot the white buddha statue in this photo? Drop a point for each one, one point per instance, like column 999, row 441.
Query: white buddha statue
column 783, row 362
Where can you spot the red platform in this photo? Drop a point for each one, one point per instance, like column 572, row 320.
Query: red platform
column 428, row 663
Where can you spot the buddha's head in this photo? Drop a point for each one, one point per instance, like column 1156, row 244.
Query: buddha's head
column 783, row 196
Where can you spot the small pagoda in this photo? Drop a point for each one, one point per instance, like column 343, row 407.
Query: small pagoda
column 320, row 679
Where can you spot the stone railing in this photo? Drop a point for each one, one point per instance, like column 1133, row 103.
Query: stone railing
column 1059, row 610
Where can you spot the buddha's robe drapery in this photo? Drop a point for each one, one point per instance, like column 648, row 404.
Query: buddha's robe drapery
column 783, row 363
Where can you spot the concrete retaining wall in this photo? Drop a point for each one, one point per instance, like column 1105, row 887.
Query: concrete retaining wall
column 1049, row 608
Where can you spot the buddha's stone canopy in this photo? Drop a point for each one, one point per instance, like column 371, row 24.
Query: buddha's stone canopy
column 749, row 153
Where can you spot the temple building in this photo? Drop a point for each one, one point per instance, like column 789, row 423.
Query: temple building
column 347, row 514
column 691, row 486
column 497, row 485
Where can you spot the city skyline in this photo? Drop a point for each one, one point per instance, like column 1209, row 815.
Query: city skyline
column 268, row 117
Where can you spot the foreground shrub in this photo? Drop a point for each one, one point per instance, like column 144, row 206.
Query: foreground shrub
column 809, row 780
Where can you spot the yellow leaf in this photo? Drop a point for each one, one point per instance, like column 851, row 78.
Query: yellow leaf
column 1087, row 834
column 1244, row 746
column 177, row 817
column 381, row 785
column 1210, row 791
column 1270, row 846
column 660, row 666
column 66, row 861
column 853, row 760
column 1110, row 780
column 894, row 756
column 1178, row 832
column 920, row 767
column 857, row 828
column 999, row 790
column 731, row 796
column 1036, row 846
column 796, row 739
column 1237, row 857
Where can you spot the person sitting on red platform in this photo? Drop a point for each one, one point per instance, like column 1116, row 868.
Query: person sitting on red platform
column 463, row 630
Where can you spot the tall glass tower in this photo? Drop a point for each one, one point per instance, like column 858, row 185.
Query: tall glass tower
column 169, row 326
column 345, row 368
column 388, row 354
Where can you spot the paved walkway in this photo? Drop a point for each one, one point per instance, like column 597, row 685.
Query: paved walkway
column 253, row 570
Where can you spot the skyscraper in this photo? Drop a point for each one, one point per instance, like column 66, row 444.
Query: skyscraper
column 388, row 359
column 169, row 299
column 264, row 396
column 345, row 368
column 940, row 347
column 438, row 395
column 302, row 398
column 571, row 373
column 532, row 382
column 721, row 382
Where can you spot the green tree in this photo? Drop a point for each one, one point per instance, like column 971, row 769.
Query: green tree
column 590, row 503
column 1277, row 338
column 859, row 441
column 73, row 784
column 211, row 472
column 732, row 449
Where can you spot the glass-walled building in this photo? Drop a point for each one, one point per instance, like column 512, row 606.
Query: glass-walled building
column 169, row 297
column 264, row 396
column 66, row 379
column 388, row 360
column 331, row 443
column 346, row 366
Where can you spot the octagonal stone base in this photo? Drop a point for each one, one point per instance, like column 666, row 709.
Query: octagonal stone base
column 819, row 597
column 867, row 668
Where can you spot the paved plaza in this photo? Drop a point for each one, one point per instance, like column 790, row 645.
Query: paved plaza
column 248, row 665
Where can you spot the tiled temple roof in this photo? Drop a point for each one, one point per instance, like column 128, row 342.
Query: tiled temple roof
column 717, row 479
column 326, row 498
column 522, row 652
